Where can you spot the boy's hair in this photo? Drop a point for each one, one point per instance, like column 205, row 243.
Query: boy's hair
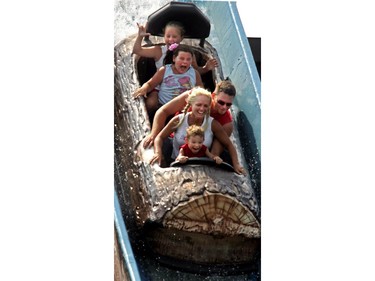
column 225, row 86
column 193, row 131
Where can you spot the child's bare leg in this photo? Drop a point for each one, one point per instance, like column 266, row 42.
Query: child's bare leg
column 152, row 104
column 216, row 148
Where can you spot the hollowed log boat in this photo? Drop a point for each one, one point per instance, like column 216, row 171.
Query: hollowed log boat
column 198, row 213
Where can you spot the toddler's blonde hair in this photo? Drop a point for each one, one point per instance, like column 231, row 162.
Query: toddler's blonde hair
column 194, row 130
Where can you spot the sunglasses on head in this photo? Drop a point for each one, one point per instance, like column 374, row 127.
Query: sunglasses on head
column 228, row 104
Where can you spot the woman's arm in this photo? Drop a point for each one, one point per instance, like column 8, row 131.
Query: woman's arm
column 161, row 115
column 158, row 146
column 221, row 135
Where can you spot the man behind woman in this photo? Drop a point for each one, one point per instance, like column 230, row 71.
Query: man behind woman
column 200, row 101
column 222, row 99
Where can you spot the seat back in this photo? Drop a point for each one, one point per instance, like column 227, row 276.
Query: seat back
column 196, row 24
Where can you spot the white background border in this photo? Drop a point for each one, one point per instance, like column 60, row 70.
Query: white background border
column 57, row 140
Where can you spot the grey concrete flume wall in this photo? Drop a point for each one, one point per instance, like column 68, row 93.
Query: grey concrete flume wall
column 229, row 39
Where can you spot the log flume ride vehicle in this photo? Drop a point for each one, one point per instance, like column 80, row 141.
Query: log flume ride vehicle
column 198, row 213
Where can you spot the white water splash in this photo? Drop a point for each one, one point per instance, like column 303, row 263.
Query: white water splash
column 128, row 12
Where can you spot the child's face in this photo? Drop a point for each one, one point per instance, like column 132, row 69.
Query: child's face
column 195, row 143
column 182, row 61
column 172, row 35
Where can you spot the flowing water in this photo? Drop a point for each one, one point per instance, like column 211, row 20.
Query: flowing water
column 127, row 13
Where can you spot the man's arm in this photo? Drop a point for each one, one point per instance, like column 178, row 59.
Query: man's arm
column 219, row 133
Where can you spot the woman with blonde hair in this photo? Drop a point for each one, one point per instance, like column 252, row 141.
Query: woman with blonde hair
column 200, row 102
